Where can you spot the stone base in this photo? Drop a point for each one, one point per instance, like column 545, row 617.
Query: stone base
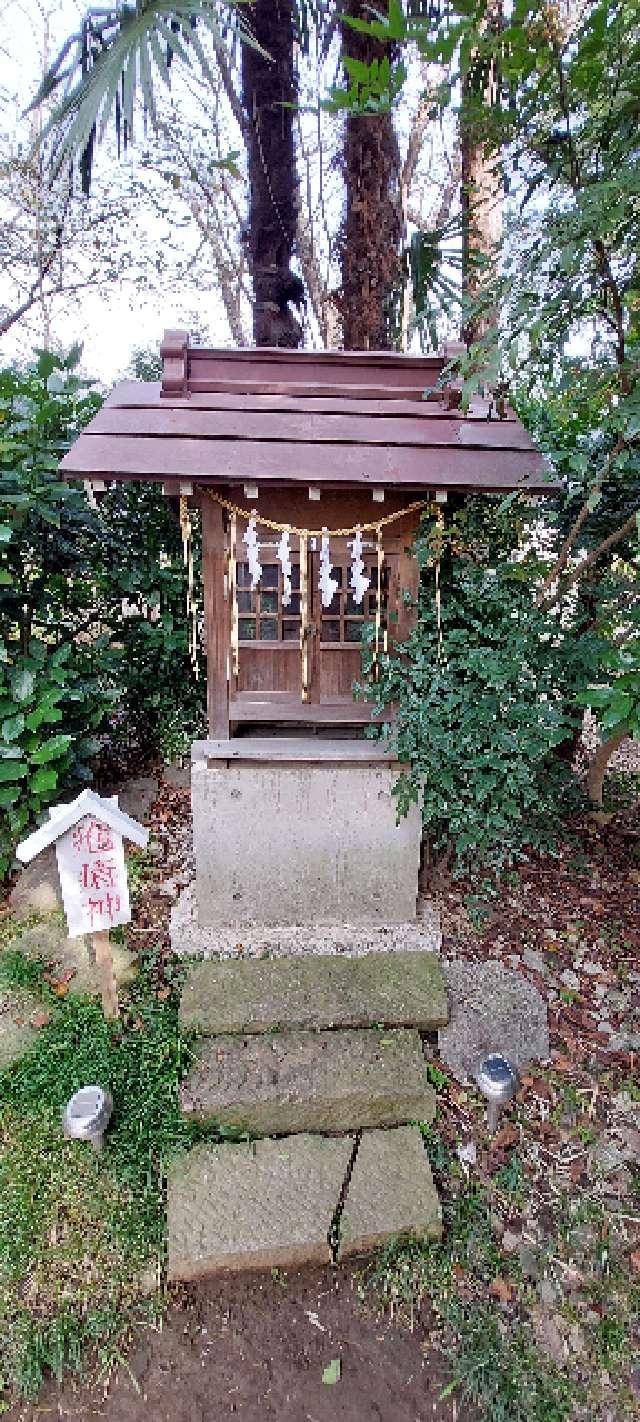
column 189, row 939
column 308, row 839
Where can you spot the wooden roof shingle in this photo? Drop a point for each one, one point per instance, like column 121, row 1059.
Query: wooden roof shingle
column 336, row 418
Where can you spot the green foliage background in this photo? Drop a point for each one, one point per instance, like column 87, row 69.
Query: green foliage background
column 94, row 661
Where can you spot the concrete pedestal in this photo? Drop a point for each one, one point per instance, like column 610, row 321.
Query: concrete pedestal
column 301, row 831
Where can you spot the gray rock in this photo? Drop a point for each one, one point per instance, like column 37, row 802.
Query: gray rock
column 136, row 796
column 529, row 1261
column 570, row 980
column 534, row 960
column 549, row 1292
column 547, row 1335
column 607, row 1155
column 37, row 888
column 491, row 1010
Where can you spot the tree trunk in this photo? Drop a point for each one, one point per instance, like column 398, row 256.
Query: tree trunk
column 598, row 766
column 482, row 187
column 269, row 91
column 372, row 227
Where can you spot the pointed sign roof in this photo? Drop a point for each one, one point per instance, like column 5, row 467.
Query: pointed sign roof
column 64, row 817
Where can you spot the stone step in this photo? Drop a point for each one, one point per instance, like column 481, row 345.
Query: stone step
column 391, row 1192
column 379, row 989
column 266, row 1205
column 277, row 1203
column 285, row 1082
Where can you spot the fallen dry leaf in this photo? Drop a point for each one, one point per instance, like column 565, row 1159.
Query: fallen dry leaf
column 634, row 1260
column 40, row 1019
column 509, row 1135
column 501, row 1290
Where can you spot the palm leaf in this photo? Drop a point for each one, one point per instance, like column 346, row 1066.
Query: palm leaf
column 120, row 53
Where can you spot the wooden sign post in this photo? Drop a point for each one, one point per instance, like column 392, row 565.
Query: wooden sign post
column 88, row 835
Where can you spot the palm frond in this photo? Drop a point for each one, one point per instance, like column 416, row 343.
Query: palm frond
column 119, row 55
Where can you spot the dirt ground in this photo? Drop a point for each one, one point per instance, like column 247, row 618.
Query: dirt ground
column 255, row 1348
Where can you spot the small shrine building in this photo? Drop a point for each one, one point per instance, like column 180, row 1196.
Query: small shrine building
column 311, row 471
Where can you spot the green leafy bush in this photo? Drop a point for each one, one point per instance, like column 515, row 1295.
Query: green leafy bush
column 480, row 718
column 94, row 661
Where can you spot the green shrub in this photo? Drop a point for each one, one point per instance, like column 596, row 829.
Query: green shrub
column 480, row 715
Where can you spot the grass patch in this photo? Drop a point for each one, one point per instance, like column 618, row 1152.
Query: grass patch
column 496, row 1367
column 78, row 1231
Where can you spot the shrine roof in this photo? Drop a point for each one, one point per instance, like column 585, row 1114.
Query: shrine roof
column 337, row 418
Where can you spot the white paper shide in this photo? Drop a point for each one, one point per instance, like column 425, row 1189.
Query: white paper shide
column 358, row 582
column 327, row 585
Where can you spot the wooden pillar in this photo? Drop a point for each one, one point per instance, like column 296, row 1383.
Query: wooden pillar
column 216, row 618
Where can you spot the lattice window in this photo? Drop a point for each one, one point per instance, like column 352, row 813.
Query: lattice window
column 261, row 615
column 343, row 620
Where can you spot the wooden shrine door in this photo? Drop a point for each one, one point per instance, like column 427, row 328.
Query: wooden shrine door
column 335, row 662
column 269, row 655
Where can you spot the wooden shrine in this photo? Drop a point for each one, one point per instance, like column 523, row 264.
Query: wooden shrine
column 313, row 445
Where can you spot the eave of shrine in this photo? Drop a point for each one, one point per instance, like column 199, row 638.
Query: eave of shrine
column 289, row 418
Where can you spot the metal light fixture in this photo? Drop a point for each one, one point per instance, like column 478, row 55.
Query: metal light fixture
column 87, row 1115
column 497, row 1079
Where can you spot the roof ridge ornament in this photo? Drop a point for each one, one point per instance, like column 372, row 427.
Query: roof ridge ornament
column 175, row 364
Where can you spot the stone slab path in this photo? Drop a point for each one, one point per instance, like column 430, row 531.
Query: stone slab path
column 330, row 1082
column 280, row 1203
column 296, row 1050
column 268, row 1204
column 391, row 1192
column 380, row 989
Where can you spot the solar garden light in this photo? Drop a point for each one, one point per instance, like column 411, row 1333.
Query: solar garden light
column 87, row 1115
column 497, row 1079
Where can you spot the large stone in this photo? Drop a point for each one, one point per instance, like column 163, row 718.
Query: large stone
column 265, row 1205
column 71, row 958
column 491, row 1010
column 391, row 1193
column 302, row 842
column 310, row 1081
column 380, row 989
column 37, row 887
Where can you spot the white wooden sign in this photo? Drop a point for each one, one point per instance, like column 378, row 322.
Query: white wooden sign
column 93, row 877
column 88, row 835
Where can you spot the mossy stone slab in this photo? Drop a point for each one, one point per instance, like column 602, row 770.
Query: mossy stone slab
column 391, row 1193
column 287, row 1082
column 318, row 993
column 265, row 1205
